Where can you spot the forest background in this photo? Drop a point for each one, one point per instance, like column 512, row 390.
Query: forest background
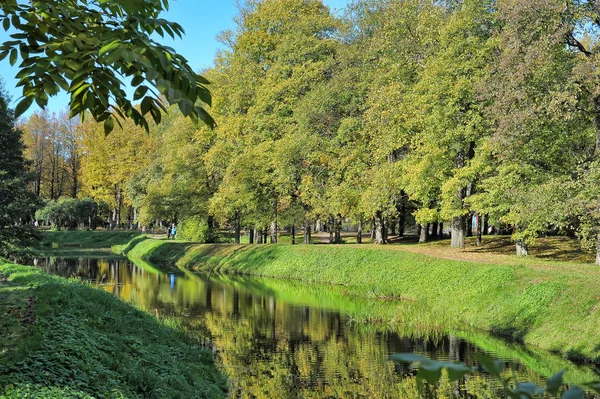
column 437, row 111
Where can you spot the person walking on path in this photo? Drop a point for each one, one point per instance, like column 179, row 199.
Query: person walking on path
column 168, row 233
column 174, row 232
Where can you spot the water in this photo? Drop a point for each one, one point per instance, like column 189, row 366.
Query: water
column 278, row 339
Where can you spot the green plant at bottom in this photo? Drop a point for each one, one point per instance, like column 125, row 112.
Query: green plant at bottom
column 430, row 371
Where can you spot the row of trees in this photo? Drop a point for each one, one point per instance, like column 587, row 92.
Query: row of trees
column 53, row 144
column 436, row 109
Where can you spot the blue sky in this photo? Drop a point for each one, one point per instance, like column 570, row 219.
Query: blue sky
column 202, row 21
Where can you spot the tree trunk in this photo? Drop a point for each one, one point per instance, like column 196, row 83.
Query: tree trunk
column 486, row 220
column 441, row 231
column 338, row 229
column 522, row 248
column 479, row 228
column 307, row 227
column 293, row 235
column 251, row 235
column 265, row 235
column 379, row 228
column 458, row 232
column 385, row 230
column 318, row 225
column 469, row 220
column 392, row 226
column 238, row 229
column 372, row 229
column 359, row 232
column 598, row 249
column 330, row 228
column 424, row 236
column 434, row 230
column 257, row 236
column 273, row 232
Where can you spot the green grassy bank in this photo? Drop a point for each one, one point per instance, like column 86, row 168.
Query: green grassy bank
column 553, row 306
column 62, row 338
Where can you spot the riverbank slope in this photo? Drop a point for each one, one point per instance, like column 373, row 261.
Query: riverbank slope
column 66, row 339
column 552, row 305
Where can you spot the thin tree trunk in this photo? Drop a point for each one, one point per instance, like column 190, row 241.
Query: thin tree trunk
column 273, row 232
column 265, row 235
column 338, row 229
column 372, row 229
column 359, row 232
column 479, row 227
column 441, row 230
column 469, row 220
column 330, row 228
column 307, row 227
column 486, row 220
column 257, row 235
column 251, row 235
column 385, row 230
column 238, row 229
column 293, row 234
column 434, row 230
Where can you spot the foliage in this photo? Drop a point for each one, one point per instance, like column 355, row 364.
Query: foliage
column 431, row 370
column 69, row 213
column 87, row 47
column 17, row 204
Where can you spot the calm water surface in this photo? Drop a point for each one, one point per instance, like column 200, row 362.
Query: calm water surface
column 278, row 339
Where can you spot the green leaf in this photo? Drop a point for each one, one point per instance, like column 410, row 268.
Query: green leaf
column 529, row 389
column 430, row 373
column 13, row 57
column 140, row 92
column 491, row 366
column 23, row 105
column 555, row 382
column 137, row 80
column 6, row 24
column 109, row 125
column 41, row 98
column 574, row 393
column 110, row 46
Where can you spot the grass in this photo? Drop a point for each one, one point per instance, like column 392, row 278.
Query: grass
column 61, row 338
column 551, row 305
column 87, row 239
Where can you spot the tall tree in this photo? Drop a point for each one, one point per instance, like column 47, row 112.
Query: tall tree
column 17, row 203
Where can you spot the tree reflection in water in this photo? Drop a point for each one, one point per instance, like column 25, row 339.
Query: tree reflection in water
column 280, row 339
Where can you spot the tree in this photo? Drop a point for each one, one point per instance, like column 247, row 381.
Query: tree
column 87, row 48
column 17, row 203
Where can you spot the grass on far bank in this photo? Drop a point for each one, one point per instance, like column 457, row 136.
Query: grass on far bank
column 552, row 305
column 87, row 239
column 62, row 338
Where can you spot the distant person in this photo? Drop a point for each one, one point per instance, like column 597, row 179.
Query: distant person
column 168, row 233
column 174, row 232
column 143, row 229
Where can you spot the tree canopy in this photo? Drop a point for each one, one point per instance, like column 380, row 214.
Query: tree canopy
column 92, row 49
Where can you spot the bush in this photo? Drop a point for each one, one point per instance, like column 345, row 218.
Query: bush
column 69, row 213
column 196, row 229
